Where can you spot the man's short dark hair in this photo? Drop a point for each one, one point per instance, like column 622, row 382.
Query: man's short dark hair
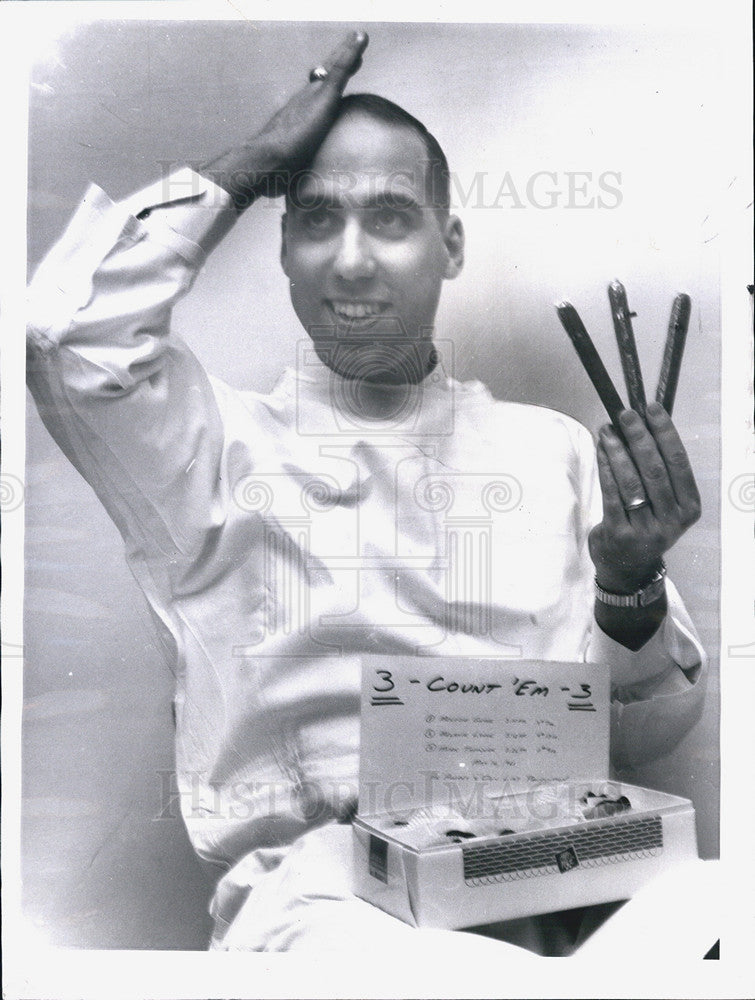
column 438, row 177
column 437, row 180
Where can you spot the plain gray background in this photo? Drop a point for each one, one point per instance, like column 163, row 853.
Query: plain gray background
column 116, row 103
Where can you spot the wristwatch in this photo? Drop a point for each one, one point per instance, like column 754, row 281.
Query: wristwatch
column 640, row 598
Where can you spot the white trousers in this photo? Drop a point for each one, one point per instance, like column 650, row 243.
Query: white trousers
column 304, row 903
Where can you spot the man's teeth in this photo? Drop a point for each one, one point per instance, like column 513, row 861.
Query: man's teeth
column 357, row 310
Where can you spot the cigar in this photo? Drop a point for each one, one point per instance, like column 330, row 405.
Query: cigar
column 673, row 351
column 591, row 362
column 630, row 362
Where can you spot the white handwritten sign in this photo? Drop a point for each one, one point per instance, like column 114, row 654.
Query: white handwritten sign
column 456, row 722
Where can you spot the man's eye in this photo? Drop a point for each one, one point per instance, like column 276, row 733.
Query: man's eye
column 319, row 221
column 390, row 221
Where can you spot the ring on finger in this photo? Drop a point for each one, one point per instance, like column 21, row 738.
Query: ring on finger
column 635, row 504
column 318, row 73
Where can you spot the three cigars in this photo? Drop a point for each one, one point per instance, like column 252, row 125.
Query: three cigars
column 630, row 362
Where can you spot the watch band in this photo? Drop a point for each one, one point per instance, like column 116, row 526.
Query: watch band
column 640, row 598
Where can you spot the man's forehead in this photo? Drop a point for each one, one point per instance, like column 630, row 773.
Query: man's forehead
column 364, row 157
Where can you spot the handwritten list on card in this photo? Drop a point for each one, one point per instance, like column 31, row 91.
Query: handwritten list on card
column 507, row 723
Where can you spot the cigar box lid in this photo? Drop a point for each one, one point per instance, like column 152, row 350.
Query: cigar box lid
column 440, row 727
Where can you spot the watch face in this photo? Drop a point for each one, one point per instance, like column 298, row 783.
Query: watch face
column 653, row 590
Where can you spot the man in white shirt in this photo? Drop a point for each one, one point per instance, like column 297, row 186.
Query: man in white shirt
column 280, row 538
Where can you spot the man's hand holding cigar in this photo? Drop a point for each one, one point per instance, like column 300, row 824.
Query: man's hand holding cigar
column 650, row 496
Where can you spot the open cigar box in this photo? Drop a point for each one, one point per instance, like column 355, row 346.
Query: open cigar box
column 474, row 806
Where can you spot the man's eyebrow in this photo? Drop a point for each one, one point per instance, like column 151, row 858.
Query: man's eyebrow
column 394, row 199
column 378, row 199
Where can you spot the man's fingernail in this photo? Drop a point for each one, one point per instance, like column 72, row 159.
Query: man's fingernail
column 654, row 409
column 628, row 417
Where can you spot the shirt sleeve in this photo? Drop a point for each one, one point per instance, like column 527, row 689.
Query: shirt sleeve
column 657, row 692
column 129, row 405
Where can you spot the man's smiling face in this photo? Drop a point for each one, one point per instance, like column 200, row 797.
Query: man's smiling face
column 366, row 252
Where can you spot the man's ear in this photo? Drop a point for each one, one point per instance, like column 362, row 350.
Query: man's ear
column 453, row 237
column 284, row 247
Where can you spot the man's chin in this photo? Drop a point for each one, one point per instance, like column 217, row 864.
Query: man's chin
column 380, row 363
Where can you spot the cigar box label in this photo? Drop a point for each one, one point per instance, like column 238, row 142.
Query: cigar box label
column 567, row 860
column 461, row 725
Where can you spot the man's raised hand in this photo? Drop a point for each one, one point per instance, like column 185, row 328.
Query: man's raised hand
column 263, row 164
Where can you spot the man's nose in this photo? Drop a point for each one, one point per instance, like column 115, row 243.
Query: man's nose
column 354, row 258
